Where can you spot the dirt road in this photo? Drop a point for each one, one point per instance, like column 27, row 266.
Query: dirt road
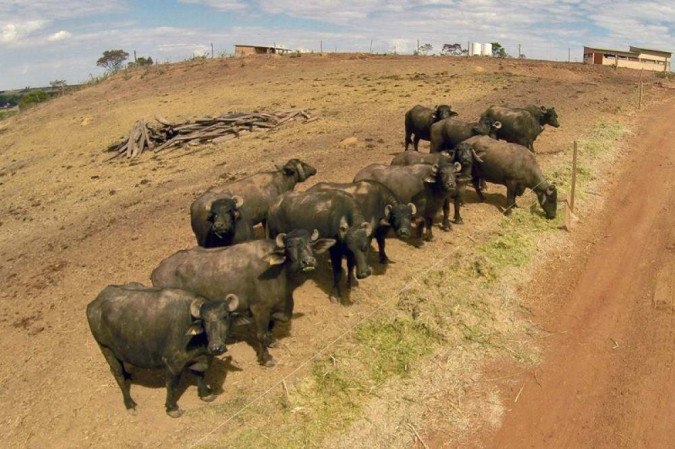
column 609, row 376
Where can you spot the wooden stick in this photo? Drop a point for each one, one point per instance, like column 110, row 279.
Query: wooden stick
column 162, row 120
column 418, row 436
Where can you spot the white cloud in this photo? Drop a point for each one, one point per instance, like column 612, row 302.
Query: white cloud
column 59, row 36
column 223, row 5
column 57, row 9
column 14, row 32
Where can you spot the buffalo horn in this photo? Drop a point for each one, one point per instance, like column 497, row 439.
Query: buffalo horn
column 414, row 209
column 238, row 201
column 475, row 155
column 281, row 240
column 315, row 236
column 301, row 172
column 497, row 125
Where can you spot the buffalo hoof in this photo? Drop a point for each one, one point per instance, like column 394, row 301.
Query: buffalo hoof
column 175, row 413
column 429, row 238
column 269, row 362
column 335, row 299
column 132, row 411
column 384, row 260
column 353, row 282
column 446, row 227
column 208, row 398
column 508, row 211
column 459, row 221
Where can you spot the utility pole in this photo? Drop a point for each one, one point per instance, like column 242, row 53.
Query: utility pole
column 134, row 55
column 519, row 52
column 418, row 46
column 468, row 48
column 321, row 46
column 569, row 55
column 371, row 46
column 211, row 50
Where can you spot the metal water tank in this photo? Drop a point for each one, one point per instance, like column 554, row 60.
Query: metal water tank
column 487, row 49
column 476, row 49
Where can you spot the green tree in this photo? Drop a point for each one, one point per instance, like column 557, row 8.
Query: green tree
column 142, row 62
column 32, row 98
column 112, row 60
column 425, row 49
column 498, row 50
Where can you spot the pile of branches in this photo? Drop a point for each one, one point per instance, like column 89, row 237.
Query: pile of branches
column 144, row 137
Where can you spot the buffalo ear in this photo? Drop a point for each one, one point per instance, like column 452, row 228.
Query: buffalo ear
column 344, row 226
column 276, row 259
column 195, row 328
column 232, row 302
column 458, row 167
column 550, row 189
column 322, row 245
column 430, row 180
column 207, row 206
column 196, row 306
column 445, row 154
column 366, row 226
column 314, row 236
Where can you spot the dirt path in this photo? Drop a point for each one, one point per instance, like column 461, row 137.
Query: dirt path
column 609, row 376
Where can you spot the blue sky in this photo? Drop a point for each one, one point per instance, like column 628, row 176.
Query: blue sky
column 44, row 40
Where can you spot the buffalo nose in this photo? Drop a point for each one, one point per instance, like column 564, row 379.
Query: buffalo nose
column 404, row 233
column 364, row 274
column 308, row 262
column 217, row 350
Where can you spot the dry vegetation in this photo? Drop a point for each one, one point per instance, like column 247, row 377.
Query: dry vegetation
column 409, row 354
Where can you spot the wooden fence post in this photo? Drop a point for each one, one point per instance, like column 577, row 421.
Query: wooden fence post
column 574, row 177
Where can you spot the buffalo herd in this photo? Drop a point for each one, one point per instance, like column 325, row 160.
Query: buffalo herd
column 230, row 279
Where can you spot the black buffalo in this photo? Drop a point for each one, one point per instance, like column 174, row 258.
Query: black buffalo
column 156, row 328
column 419, row 119
column 244, row 204
column 448, row 133
column 262, row 273
column 220, row 220
column 426, row 186
column 521, row 125
column 337, row 216
column 379, row 206
column 515, row 167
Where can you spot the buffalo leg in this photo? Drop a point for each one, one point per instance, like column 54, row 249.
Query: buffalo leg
column 428, row 222
column 336, row 262
column 416, row 142
column 199, row 368
column 351, row 263
column 510, row 199
column 379, row 236
column 172, row 381
column 408, row 141
column 458, row 202
column 121, row 376
column 262, row 322
column 445, row 225
column 477, row 185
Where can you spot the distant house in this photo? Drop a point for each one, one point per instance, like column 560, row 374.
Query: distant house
column 634, row 58
column 246, row 50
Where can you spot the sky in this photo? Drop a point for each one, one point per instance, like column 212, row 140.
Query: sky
column 46, row 40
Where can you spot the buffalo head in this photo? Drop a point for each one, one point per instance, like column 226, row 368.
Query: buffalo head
column 357, row 240
column 299, row 169
column 213, row 317
column 550, row 117
column 399, row 217
column 444, row 175
column 223, row 214
column 442, row 112
column 548, row 200
column 297, row 249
